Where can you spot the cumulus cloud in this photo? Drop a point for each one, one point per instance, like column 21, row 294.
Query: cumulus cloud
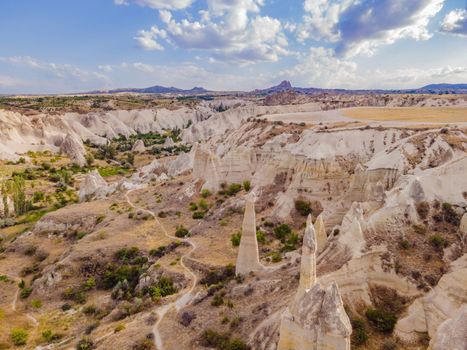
column 455, row 22
column 230, row 30
column 158, row 4
column 320, row 68
column 360, row 26
column 147, row 39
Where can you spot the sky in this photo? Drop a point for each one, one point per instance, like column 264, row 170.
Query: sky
column 57, row 46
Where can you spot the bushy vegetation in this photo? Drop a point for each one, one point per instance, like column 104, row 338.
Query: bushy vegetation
column 235, row 239
column 381, row 320
column 219, row 276
column 85, row 344
column 162, row 288
column 181, row 232
column 303, row 207
column 222, row 341
column 423, row 209
column 247, row 185
column 359, row 332
column 450, row 215
column 19, row 336
column 437, row 241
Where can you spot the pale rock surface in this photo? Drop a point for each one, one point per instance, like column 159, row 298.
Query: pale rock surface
column 74, row 149
column 94, row 187
column 308, row 262
column 248, row 254
column 441, row 303
column 168, row 142
column 463, row 225
column 138, row 147
column 452, row 333
column 321, row 236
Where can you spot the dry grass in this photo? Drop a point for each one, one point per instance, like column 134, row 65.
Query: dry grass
column 409, row 114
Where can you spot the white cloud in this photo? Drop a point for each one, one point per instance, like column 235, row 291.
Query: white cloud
column 9, row 82
column 320, row 68
column 455, row 22
column 360, row 26
column 158, row 4
column 231, row 30
column 147, row 39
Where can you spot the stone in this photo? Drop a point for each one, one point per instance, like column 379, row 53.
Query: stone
column 463, row 225
column 168, row 142
column 452, row 333
column 308, row 261
column 94, row 187
column 74, row 149
column 138, row 147
column 248, row 254
column 321, row 236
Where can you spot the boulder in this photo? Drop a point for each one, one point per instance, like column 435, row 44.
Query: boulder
column 74, row 149
column 94, row 187
column 138, row 147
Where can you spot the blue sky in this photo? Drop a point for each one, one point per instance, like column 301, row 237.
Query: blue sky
column 53, row 46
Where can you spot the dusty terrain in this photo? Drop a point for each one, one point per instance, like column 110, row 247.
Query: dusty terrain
column 104, row 244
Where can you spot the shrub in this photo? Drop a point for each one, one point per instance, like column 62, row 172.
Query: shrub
column 203, row 204
column 89, row 284
column 19, row 336
column 419, row 229
column 205, row 193
column 25, row 293
column 85, row 344
column 127, row 254
column 36, row 304
column 261, row 236
column 222, row 341
column 218, row 300
column 282, row 231
column 217, row 276
column 247, row 185
column 381, row 320
column 50, row 336
column 437, row 241
column 359, row 333
column 193, row 207
column 198, row 215
column 404, row 244
column 233, row 189
column 235, row 239
column 181, row 232
column 162, row 288
column 38, row 196
column 303, row 207
column 276, row 257
column 144, row 344
column 450, row 215
column 423, row 209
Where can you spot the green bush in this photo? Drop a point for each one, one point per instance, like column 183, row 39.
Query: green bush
column 276, row 257
column 89, row 284
column 282, row 231
column 38, row 196
column 50, row 336
column 162, row 288
column 198, row 215
column 222, row 341
column 381, row 320
column 181, row 232
column 359, row 333
column 261, row 236
column 25, row 293
column 437, row 241
column 193, row 207
column 19, row 336
column 303, row 207
column 404, row 244
column 36, row 304
column 205, row 193
column 85, row 344
column 233, row 189
column 235, row 239
column 203, row 204
column 247, row 185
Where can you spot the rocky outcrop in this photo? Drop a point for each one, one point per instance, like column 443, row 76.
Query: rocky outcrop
column 463, row 225
column 248, row 254
column 427, row 313
column 452, row 333
column 315, row 319
column 139, row 147
column 94, row 187
column 169, row 142
column 321, row 236
column 74, row 149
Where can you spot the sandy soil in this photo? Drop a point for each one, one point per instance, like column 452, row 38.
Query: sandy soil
column 409, row 114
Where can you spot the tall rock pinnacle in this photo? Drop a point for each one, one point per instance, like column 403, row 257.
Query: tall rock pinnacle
column 321, row 236
column 308, row 263
column 248, row 255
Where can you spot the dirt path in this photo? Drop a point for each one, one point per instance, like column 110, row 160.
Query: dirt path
column 183, row 297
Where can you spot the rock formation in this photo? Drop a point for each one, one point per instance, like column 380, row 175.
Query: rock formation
column 169, row 142
column 248, row 255
column 440, row 304
column 139, row 147
column 74, row 149
column 463, row 225
column 321, row 236
column 315, row 319
column 452, row 334
column 94, row 187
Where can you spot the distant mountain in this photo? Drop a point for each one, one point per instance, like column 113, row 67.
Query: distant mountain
column 157, row 89
column 428, row 89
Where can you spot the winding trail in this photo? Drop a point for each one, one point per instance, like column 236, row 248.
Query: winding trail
column 184, row 297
